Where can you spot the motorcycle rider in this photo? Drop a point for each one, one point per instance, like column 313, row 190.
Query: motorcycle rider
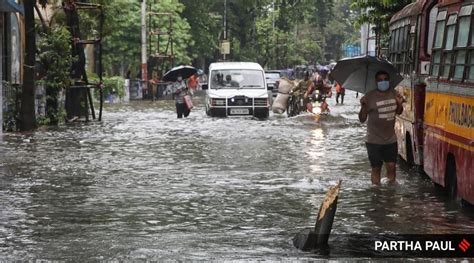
column 320, row 84
column 299, row 90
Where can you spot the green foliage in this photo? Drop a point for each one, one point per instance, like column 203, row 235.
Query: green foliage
column 180, row 28
column 206, row 26
column 54, row 54
column 275, row 33
column 112, row 85
column 377, row 12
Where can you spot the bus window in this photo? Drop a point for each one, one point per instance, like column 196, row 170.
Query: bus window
column 440, row 29
column 472, row 38
column 451, row 31
column 446, row 65
column 392, row 41
column 464, row 26
column 436, row 63
column 449, row 46
column 397, row 34
column 471, row 67
column 460, row 64
column 431, row 29
column 462, row 41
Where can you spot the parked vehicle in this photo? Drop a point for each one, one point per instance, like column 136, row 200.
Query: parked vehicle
column 236, row 89
column 435, row 131
column 273, row 77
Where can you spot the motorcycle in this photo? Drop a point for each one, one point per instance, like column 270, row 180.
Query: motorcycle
column 317, row 103
column 295, row 105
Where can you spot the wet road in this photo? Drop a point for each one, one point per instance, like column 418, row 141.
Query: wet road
column 144, row 185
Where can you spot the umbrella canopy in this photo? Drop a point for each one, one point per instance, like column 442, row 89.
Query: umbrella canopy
column 183, row 71
column 358, row 73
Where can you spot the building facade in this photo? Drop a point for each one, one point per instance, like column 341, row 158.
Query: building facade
column 11, row 49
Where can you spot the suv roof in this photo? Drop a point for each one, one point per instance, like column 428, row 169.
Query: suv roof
column 235, row 65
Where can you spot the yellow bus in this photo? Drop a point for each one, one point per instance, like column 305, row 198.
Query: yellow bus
column 432, row 44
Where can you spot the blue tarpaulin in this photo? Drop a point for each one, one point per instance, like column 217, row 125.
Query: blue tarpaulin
column 10, row 6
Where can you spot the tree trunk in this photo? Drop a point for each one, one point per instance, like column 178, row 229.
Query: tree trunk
column 27, row 115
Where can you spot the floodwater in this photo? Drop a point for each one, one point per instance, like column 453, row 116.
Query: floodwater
column 145, row 185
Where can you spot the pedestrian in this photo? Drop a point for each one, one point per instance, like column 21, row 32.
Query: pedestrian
column 154, row 85
column 340, row 92
column 180, row 90
column 193, row 82
column 380, row 106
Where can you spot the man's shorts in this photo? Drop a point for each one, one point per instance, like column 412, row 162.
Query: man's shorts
column 380, row 153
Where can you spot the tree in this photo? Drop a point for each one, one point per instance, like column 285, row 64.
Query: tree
column 205, row 29
column 55, row 61
column 27, row 110
column 378, row 12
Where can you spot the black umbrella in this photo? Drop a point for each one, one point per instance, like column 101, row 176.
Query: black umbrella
column 358, row 73
column 183, row 71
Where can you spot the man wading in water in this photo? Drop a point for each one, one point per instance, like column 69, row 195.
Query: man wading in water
column 380, row 106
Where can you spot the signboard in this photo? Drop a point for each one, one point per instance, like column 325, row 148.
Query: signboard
column 225, row 47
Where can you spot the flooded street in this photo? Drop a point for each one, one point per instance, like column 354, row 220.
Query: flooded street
column 145, row 185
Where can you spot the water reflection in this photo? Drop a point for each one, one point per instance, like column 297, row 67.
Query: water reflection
column 143, row 185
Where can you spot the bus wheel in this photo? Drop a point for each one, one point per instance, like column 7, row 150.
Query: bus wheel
column 410, row 160
column 450, row 179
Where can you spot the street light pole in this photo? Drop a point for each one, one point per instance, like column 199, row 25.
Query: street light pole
column 143, row 42
column 225, row 22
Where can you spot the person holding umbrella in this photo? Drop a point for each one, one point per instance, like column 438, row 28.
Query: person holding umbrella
column 180, row 91
column 376, row 78
column 380, row 106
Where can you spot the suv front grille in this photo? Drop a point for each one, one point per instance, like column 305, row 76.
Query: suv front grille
column 239, row 101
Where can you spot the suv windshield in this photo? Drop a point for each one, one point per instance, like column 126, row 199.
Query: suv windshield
column 237, row 79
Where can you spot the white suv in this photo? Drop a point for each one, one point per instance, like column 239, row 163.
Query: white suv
column 236, row 89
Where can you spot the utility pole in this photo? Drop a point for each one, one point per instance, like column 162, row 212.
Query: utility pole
column 27, row 113
column 144, row 56
column 225, row 22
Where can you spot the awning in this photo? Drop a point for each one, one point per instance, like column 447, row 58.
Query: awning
column 11, row 6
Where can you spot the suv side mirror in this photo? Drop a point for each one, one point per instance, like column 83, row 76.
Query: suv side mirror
column 269, row 86
column 204, row 86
